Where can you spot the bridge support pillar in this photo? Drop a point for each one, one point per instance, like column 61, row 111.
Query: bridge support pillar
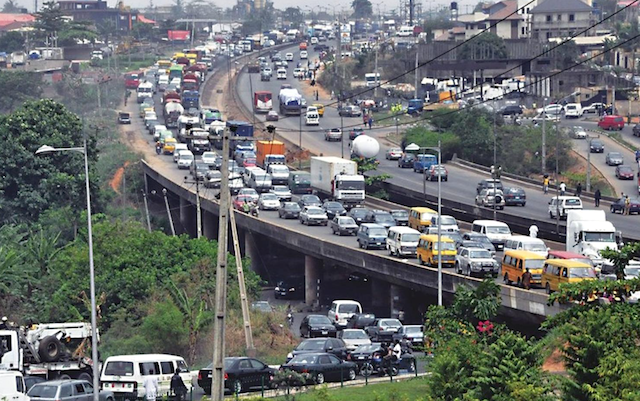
column 188, row 217
column 251, row 250
column 380, row 297
column 209, row 225
column 397, row 302
column 312, row 273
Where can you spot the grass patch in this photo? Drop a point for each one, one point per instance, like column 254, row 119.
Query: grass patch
column 387, row 119
column 616, row 136
column 408, row 390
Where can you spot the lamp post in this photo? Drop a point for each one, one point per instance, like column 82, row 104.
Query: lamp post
column 94, row 329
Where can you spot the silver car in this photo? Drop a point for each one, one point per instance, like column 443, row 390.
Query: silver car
column 313, row 215
column 489, row 197
column 67, row 390
column 614, row 159
column 343, row 225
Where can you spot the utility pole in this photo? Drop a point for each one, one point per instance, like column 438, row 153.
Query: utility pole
column 217, row 388
column 198, row 208
column 166, row 203
column 146, row 209
column 244, row 302
column 544, row 136
column 375, row 71
column 415, row 93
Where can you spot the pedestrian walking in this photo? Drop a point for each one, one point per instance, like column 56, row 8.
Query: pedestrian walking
column 545, row 184
column 533, row 231
column 151, row 386
column 177, row 386
column 526, row 279
column 627, row 205
column 370, row 121
column 597, row 196
column 579, row 189
column 333, row 95
column 563, row 188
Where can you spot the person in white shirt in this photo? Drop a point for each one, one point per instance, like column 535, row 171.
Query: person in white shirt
column 533, row 231
column 151, row 386
column 397, row 350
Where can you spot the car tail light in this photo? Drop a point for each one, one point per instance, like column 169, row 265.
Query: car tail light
column 226, row 376
column 199, row 375
column 337, row 317
column 305, row 370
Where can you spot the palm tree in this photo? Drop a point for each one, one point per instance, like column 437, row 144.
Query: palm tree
column 11, row 7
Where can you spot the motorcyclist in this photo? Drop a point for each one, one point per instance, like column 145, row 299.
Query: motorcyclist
column 388, row 357
column 253, row 207
column 397, row 350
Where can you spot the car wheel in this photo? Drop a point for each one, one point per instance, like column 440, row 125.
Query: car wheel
column 550, row 215
column 519, row 282
column 420, row 260
column 319, row 378
column 351, row 375
column 389, row 250
column 547, row 287
column 457, row 267
column 506, row 279
column 237, row 387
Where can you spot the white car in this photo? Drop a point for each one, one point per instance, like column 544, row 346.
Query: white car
column 252, row 193
column 578, row 133
column 478, row 261
column 314, row 40
column 303, row 55
column 176, row 151
column 353, row 338
column 281, row 73
column 553, row 109
column 572, row 110
column 157, row 129
column 447, row 223
column 176, row 81
column 298, row 72
column 209, row 158
column 593, row 108
column 282, row 192
column 288, row 57
column 393, row 154
column 268, row 201
column 185, row 158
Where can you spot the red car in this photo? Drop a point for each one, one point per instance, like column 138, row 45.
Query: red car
column 249, row 162
column 240, row 200
column 624, row 173
column 611, row 122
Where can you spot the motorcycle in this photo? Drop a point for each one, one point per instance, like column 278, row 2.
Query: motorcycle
column 290, row 319
column 377, row 365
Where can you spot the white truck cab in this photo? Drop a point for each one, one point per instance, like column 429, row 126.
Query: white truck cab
column 312, row 118
column 589, row 232
column 12, row 387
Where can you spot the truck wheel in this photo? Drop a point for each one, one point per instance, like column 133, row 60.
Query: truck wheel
column 50, row 349
column 64, row 376
column 85, row 376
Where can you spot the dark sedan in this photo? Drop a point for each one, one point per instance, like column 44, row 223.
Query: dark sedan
column 321, row 367
column 401, row 217
column 289, row 210
column 360, row 320
column 596, row 146
column 309, row 200
column 289, row 288
column 241, row 374
column 358, row 214
column 406, row 161
column 636, row 130
column 515, row 197
column 333, row 346
column 624, row 173
column 333, row 209
column 618, row 206
column 317, row 326
column 355, row 132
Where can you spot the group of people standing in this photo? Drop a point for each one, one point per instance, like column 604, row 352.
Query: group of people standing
column 177, row 386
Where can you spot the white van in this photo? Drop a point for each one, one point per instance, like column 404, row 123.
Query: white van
column 342, row 310
column 185, row 158
column 559, row 205
column 312, row 118
column 125, row 374
column 572, row 110
column 12, row 386
column 303, row 55
column 497, row 231
column 524, row 243
column 288, row 57
column 281, row 73
column 405, row 31
column 402, row 241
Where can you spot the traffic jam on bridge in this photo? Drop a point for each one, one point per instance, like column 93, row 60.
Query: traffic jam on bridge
column 331, row 193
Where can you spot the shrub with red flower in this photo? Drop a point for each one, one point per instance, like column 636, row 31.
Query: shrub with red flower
column 485, row 327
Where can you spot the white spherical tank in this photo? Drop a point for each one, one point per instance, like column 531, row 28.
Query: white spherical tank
column 365, row 146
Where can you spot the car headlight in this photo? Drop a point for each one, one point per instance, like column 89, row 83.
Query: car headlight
column 475, row 264
column 289, row 355
column 277, row 288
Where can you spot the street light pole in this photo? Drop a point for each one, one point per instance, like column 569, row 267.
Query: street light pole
column 92, row 283
column 424, row 194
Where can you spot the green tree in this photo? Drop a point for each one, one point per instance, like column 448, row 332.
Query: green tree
column 30, row 84
column 12, row 41
column 49, row 20
column 293, row 15
column 362, row 9
column 485, row 46
column 11, row 7
column 481, row 303
column 622, row 257
column 34, row 183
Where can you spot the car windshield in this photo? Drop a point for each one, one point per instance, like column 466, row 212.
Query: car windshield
column 333, row 206
column 346, row 221
column 399, row 214
column 354, row 335
column 480, row 254
column 319, row 320
column 280, row 188
column 390, row 323
column 616, row 155
column 315, row 211
column 348, row 308
column 292, row 206
column 311, row 199
column 368, row 348
column 572, row 202
column 378, row 232
column 599, row 237
column 534, row 263
column 498, row 230
column 358, row 212
column 535, row 247
column 279, row 169
column 447, row 220
column 311, row 345
column 269, row 197
column 304, row 359
column 426, row 216
column 632, row 271
column 384, row 218
column 410, row 237
column 625, row 170
column 446, row 246
column 582, row 272
column 119, row 368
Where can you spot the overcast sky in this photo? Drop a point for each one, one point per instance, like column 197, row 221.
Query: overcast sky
column 305, row 5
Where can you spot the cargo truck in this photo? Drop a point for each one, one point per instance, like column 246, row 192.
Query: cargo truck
column 588, row 233
column 262, row 101
column 290, row 102
column 267, row 148
column 338, row 179
column 242, row 128
column 172, row 111
column 49, row 350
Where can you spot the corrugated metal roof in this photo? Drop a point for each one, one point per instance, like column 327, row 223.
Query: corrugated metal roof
column 556, row 6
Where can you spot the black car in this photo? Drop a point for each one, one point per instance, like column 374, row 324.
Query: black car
column 333, row 209
column 290, row 288
column 358, row 214
column 380, row 217
column 406, row 161
column 333, row 346
column 321, row 367
column 241, row 374
column 596, row 146
column 360, row 320
column 636, row 130
column 309, row 200
column 511, row 110
column 289, row 210
column 401, row 217
column 317, row 326
column 124, row 118
column 355, row 132
column 618, row 206
column 514, row 196
column 455, row 236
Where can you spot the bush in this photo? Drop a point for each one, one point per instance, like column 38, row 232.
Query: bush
column 421, row 136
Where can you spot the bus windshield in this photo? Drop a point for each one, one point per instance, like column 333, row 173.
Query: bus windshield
column 599, row 237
